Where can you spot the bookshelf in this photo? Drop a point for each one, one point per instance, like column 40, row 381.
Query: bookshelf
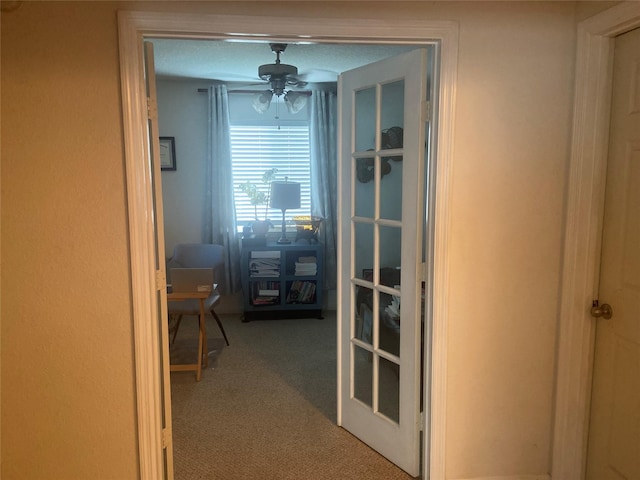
column 282, row 281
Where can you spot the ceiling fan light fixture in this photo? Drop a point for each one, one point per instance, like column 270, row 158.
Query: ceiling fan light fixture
column 278, row 85
column 295, row 101
column 262, row 100
column 278, row 74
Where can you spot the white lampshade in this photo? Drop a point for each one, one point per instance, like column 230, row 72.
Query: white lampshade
column 285, row 195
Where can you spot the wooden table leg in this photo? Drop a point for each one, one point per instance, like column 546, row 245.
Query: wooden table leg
column 201, row 340
column 203, row 326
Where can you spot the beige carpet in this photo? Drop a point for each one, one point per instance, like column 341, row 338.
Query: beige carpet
column 266, row 407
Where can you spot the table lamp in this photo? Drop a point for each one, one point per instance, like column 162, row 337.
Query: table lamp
column 285, row 195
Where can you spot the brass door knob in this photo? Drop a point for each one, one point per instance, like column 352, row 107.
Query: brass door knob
column 602, row 311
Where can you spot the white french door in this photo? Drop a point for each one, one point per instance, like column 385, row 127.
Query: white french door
column 382, row 180
column 158, row 240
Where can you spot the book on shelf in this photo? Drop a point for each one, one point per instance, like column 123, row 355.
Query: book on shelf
column 307, row 259
column 306, row 266
column 265, row 301
column 269, row 293
column 301, row 292
column 265, row 292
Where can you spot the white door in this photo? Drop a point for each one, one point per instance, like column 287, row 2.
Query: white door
column 381, row 187
column 161, row 284
column 614, row 432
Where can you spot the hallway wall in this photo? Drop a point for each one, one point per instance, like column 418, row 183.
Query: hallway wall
column 68, row 371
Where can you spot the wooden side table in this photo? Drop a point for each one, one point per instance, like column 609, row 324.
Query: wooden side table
column 203, row 358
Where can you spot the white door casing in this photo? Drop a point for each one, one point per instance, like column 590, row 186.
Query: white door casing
column 585, row 200
column 614, row 427
column 161, row 274
column 378, row 372
column 133, row 28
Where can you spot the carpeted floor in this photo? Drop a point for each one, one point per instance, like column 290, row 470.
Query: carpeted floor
column 266, row 407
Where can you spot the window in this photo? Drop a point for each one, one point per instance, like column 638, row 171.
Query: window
column 257, row 148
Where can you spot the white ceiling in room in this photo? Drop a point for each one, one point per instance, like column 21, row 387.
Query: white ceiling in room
column 239, row 61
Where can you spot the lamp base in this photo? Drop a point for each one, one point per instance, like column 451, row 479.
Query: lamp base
column 283, row 238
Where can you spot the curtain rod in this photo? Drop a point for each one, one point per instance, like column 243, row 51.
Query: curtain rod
column 301, row 92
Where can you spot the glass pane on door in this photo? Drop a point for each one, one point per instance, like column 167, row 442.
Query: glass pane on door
column 364, row 194
column 363, row 237
column 391, row 138
column 363, row 376
column 390, row 255
column 363, row 314
column 390, row 185
column 389, row 391
column 365, row 119
column 391, row 112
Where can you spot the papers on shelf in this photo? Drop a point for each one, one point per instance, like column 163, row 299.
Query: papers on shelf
column 265, row 254
column 264, row 263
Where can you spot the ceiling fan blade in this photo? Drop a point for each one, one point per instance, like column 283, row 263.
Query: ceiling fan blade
column 318, row 75
column 296, row 82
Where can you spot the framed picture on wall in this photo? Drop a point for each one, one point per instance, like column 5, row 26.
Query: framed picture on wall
column 167, row 153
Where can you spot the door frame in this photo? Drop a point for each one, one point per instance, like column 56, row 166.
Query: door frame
column 133, row 27
column 584, row 218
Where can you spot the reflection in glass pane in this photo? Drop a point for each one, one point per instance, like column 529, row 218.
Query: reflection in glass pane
column 363, row 250
column 391, row 190
column 364, row 314
column 365, row 119
column 389, row 336
column 392, row 114
column 362, row 375
column 390, row 254
column 389, row 390
column 364, row 187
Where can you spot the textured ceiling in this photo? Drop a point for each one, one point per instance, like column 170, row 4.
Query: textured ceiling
column 239, row 61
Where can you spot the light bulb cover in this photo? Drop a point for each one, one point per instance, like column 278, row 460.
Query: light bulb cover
column 262, row 100
column 295, row 101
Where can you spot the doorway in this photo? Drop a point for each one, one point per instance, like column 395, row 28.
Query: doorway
column 182, row 113
column 614, row 436
column 133, row 27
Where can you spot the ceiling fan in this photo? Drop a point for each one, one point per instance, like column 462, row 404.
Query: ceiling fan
column 280, row 76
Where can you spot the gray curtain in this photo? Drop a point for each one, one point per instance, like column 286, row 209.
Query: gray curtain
column 220, row 213
column 324, row 172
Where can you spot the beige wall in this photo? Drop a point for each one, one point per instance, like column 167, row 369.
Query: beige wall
column 68, row 404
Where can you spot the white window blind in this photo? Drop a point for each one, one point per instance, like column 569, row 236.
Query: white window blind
column 257, row 148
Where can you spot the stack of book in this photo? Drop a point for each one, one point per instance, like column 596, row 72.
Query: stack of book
column 264, row 263
column 302, row 292
column 306, row 266
column 265, row 293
